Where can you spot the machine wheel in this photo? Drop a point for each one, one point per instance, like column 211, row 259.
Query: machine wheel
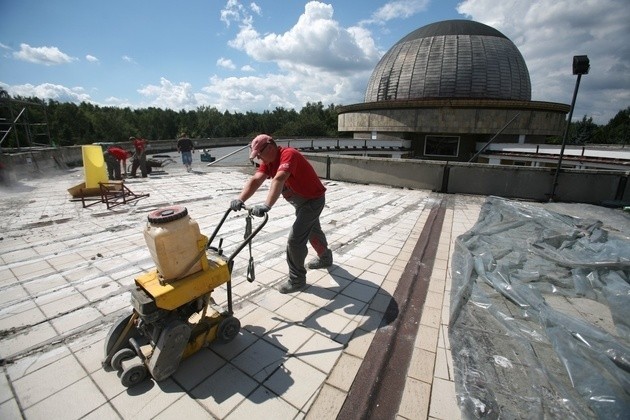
column 115, row 331
column 228, row 329
column 120, row 355
column 134, row 372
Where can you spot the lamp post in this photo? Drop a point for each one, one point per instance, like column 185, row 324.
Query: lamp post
column 581, row 66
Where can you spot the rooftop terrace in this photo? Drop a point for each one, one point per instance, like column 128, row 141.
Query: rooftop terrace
column 66, row 272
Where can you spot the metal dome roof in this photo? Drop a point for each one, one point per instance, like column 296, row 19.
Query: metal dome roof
column 451, row 59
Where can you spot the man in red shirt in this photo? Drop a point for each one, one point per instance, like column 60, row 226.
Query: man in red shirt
column 113, row 157
column 140, row 146
column 292, row 176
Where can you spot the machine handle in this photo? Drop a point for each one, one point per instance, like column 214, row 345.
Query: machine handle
column 248, row 239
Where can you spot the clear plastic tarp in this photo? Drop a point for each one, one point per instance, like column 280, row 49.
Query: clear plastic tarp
column 540, row 314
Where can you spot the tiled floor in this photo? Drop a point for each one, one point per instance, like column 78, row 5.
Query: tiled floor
column 66, row 272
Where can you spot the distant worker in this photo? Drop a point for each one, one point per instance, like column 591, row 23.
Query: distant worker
column 140, row 158
column 292, row 176
column 186, row 147
column 114, row 157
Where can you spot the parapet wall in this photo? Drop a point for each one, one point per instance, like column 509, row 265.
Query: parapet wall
column 518, row 182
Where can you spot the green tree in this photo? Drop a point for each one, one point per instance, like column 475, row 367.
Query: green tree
column 583, row 132
column 617, row 130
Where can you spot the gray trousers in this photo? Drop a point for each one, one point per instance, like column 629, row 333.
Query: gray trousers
column 305, row 229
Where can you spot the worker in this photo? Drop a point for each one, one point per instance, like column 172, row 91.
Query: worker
column 114, row 157
column 292, row 176
column 186, row 147
column 140, row 158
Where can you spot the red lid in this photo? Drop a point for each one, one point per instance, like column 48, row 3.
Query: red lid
column 167, row 214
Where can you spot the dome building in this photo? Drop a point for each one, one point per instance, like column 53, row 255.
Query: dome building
column 448, row 86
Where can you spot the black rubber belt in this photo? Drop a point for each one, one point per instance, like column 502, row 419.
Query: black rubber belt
column 377, row 389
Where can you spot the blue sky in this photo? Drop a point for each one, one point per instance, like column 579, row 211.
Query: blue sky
column 258, row 55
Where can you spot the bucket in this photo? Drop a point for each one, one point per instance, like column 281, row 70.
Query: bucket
column 172, row 237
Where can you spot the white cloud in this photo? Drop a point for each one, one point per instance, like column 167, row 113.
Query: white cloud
column 226, row 63
column 291, row 91
column 234, row 11
column 318, row 60
column 128, row 59
column 255, row 8
column 48, row 56
column 316, row 41
column 49, row 91
column 169, row 95
column 247, row 68
column 91, row 58
column 549, row 33
column 398, row 9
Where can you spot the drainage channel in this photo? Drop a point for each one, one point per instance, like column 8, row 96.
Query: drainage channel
column 379, row 384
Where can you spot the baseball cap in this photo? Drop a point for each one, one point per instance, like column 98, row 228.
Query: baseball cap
column 258, row 144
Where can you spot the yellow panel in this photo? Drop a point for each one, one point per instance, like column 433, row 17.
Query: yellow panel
column 172, row 295
column 94, row 167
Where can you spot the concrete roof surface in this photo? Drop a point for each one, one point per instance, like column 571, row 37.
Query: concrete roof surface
column 66, row 274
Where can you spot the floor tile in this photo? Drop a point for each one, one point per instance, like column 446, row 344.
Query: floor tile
column 42, row 383
column 327, row 405
column 321, row 352
column 85, row 397
column 443, row 401
column 296, row 382
column 184, row 408
column 196, row 368
column 224, row 390
column 263, row 403
column 260, row 360
column 344, row 372
column 9, row 409
column 147, row 399
column 414, row 404
column 16, row 344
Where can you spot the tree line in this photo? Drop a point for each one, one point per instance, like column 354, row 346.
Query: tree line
column 71, row 124
column 66, row 123
column 585, row 131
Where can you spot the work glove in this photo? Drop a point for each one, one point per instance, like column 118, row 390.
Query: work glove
column 259, row 210
column 236, row 204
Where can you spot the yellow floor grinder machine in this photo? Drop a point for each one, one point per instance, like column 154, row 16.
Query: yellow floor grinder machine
column 173, row 313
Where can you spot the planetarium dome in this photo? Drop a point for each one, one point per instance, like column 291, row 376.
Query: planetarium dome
column 451, row 59
column 445, row 89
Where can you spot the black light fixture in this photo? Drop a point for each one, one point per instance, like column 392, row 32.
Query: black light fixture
column 581, row 65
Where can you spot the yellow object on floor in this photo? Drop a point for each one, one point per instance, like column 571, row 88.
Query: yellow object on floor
column 94, row 167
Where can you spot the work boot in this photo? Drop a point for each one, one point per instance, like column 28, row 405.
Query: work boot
column 322, row 261
column 289, row 287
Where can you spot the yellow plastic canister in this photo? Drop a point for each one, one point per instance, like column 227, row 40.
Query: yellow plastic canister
column 172, row 238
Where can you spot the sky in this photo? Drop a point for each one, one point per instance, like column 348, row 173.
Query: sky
column 242, row 56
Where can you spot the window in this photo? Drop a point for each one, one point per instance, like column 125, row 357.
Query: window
column 441, row 146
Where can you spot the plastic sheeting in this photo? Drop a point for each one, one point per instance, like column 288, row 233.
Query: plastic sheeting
column 540, row 315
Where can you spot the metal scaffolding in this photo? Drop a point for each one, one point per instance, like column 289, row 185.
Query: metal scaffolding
column 22, row 124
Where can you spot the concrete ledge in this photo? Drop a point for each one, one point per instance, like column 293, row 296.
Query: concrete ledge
column 521, row 182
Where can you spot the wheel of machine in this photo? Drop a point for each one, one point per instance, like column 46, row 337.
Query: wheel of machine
column 134, row 372
column 228, row 329
column 116, row 330
column 120, row 355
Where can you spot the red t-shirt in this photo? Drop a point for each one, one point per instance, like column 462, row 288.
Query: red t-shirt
column 118, row 153
column 140, row 145
column 303, row 180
